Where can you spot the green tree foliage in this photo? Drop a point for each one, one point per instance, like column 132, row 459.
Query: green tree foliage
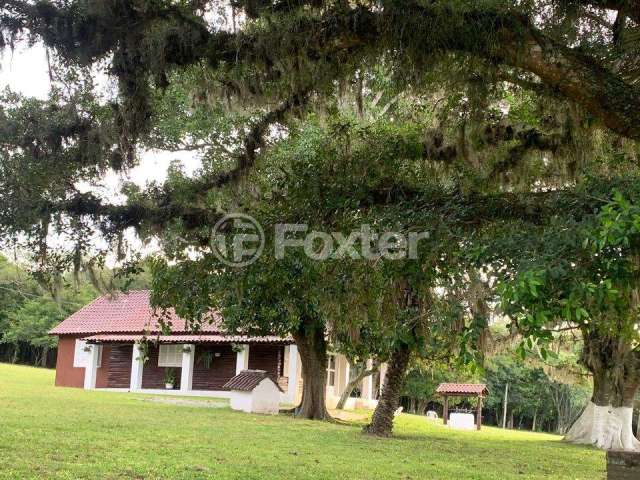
column 31, row 323
column 512, row 118
column 585, row 278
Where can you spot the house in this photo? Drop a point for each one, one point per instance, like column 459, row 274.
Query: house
column 116, row 343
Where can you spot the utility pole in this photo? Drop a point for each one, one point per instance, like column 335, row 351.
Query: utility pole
column 504, row 407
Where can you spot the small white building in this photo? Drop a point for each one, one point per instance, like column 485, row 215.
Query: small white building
column 254, row 391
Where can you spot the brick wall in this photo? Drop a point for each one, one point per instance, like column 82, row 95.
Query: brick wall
column 66, row 374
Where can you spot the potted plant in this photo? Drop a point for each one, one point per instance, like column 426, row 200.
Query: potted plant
column 169, row 378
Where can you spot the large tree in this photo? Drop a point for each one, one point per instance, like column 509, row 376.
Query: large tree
column 522, row 98
column 581, row 49
column 579, row 272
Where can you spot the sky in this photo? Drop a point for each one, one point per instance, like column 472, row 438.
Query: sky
column 25, row 71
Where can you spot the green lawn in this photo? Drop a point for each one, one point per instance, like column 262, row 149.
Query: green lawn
column 49, row 432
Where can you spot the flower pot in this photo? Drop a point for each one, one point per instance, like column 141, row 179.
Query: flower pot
column 168, row 386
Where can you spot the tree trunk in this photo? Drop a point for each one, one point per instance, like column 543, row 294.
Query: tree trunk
column 505, row 406
column 312, row 347
column 43, row 358
column 535, row 417
column 606, row 422
column 382, row 421
column 362, row 374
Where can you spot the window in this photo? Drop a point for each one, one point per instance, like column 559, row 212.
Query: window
column 331, row 370
column 170, row 356
column 81, row 354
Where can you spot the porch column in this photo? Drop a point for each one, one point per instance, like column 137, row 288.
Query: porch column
column 383, row 376
column 367, row 383
column 445, row 410
column 90, row 371
column 186, row 376
column 292, row 384
column 347, row 374
column 137, row 364
column 242, row 359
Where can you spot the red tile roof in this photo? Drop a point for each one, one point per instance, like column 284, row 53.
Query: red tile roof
column 462, row 389
column 207, row 338
column 247, row 380
column 125, row 312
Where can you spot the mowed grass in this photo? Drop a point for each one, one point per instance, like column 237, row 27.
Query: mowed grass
column 49, row 432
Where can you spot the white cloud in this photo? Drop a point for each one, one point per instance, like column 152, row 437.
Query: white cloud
column 25, row 71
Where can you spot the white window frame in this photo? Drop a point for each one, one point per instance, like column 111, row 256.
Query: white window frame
column 81, row 357
column 99, row 347
column 331, row 369
column 170, row 355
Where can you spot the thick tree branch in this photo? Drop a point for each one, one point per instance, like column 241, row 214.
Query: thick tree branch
column 254, row 141
column 337, row 38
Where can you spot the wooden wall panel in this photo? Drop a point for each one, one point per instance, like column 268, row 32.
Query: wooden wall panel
column 221, row 370
column 102, row 373
column 267, row 357
column 119, row 365
column 153, row 375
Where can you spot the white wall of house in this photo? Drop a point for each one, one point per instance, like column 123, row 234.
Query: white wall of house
column 291, row 370
column 186, row 376
column 137, row 364
column 341, row 378
column 92, row 363
column 242, row 359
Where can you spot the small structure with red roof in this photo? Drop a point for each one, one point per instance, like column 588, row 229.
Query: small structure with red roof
column 478, row 390
column 254, row 391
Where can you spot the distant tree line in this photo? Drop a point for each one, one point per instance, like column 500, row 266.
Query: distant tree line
column 28, row 311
